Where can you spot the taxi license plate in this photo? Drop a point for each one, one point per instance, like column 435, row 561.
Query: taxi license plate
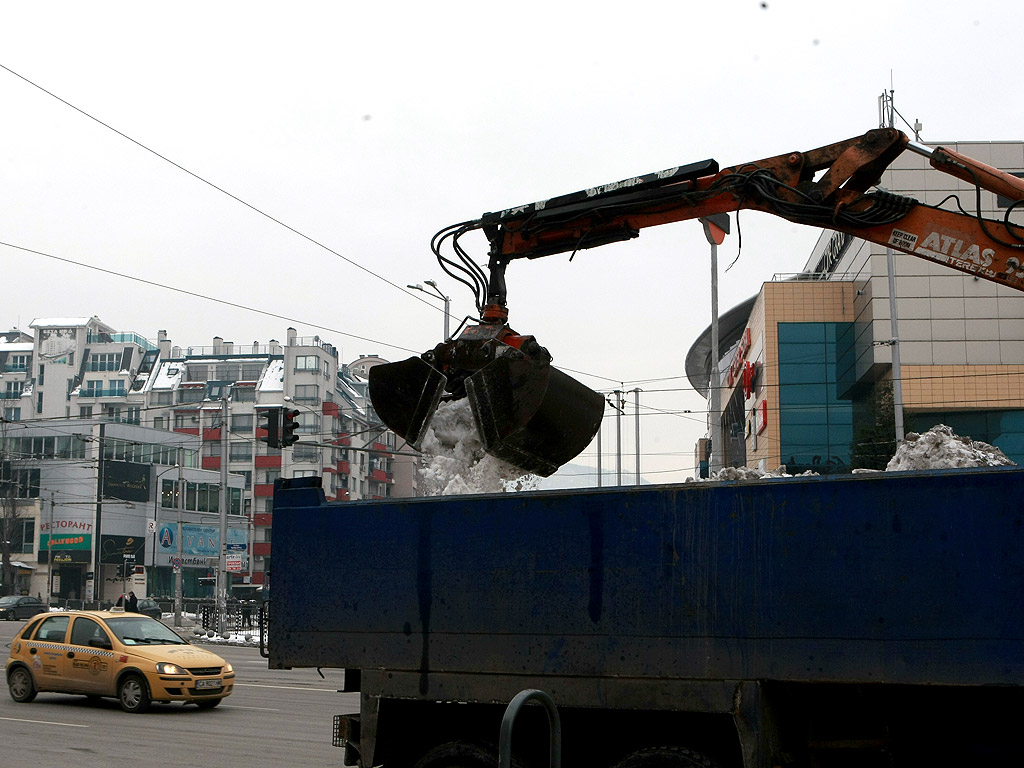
column 208, row 683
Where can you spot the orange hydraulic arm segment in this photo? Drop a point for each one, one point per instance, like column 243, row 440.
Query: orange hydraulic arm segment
column 829, row 187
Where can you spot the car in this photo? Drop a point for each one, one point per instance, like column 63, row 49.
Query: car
column 20, row 607
column 127, row 656
column 150, row 607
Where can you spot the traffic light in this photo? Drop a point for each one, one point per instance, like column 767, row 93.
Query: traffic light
column 288, row 427
column 272, row 426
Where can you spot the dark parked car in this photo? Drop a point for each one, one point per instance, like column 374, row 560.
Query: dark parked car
column 20, row 607
column 150, row 607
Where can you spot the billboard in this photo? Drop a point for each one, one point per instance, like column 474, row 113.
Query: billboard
column 126, row 480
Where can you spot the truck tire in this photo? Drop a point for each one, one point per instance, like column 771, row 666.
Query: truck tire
column 463, row 754
column 666, row 757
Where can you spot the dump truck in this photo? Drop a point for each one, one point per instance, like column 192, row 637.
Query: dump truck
column 870, row 619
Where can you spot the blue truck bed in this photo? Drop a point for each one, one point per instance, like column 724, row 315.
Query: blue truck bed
column 907, row 578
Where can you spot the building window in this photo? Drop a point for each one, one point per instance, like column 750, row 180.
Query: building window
column 247, row 474
column 12, row 414
column 42, row 371
column 14, row 390
column 23, row 540
column 308, row 423
column 242, row 423
column 191, row 394
column 307, row 393
column 305, row 453
column 85, row 411
column 243, row 394
column 108, row 361
column 307, row 363
column 241, row 451
column 160, row 422
column 271, row 475
column 305, row 473
column 163, row 398
column 1005, row 202
column 17, row 363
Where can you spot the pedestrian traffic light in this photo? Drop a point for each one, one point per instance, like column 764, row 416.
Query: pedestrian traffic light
column 272, row 425
column 288, row 427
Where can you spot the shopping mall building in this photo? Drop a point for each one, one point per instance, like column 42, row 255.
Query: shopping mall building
column 807, row 373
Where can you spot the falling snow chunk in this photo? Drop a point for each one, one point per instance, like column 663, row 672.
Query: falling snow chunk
column 454, row 460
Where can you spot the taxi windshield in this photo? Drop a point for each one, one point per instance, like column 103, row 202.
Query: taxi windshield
column 142, row 630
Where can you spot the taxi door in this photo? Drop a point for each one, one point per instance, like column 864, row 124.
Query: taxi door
column 88, row 665
column 46, row 653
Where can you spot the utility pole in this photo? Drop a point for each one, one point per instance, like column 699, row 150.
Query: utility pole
column 716, row 227
column 618, row 436
column 49, row 554
column 636, row 407
column 222, row 575
column 179, row 493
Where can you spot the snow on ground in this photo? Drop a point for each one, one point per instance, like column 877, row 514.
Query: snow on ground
column 940, row 448
column 454, row 461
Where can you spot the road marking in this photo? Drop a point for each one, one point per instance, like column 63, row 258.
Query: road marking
column 236, row 706
column 286, row 687
column 42, row 722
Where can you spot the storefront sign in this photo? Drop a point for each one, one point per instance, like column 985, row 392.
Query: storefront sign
column 114, row 549
column 737, row 359
column 126, row 480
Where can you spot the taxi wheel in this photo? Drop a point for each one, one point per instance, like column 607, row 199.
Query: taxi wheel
column 133, row 695
column 20, row 684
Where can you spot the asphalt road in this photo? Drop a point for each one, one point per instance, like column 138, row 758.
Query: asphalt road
column 273, row 718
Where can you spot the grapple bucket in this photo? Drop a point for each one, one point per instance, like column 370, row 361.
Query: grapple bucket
column 405, row 396
column 531, row 414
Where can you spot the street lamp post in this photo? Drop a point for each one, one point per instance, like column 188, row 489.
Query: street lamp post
column 437, row 292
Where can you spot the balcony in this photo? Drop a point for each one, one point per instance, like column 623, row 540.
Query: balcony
column 268, row 462
column 343, row 467
column 263, row 519
column 380, row 476
column 261, row 548
column 376, row 447
column 211, row 433
column 97, row 392
column 211, row 462
column 263, row 490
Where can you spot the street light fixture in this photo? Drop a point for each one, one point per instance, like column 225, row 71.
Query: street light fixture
column 438, row 294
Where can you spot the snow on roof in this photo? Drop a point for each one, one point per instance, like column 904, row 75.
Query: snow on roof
column 17, row 346
column 273, row 377
column 168, row 375
column 59, row 322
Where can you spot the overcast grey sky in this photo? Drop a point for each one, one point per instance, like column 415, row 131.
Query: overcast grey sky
column 367, row 129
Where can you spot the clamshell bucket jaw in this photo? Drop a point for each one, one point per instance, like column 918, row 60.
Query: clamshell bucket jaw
column 527, row 412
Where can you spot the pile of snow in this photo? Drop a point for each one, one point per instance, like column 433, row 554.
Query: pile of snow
column 746, row 473
column 454, row 460
column 940, row 448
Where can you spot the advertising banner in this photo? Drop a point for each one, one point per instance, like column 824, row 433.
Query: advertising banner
column 126, row 480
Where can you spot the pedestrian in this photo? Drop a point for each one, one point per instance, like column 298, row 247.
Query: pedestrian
column 132, row 603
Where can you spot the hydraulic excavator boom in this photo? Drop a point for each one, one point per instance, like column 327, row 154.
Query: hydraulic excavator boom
column 538, row 418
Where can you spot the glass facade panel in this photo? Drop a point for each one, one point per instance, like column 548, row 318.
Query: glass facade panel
column 815, row 423
column 1003, row 429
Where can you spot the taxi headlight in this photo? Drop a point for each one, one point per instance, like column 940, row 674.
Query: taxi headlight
column 166, row 668
column 227, row 667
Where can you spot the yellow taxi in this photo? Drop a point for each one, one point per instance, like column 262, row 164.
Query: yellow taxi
column 128, row 656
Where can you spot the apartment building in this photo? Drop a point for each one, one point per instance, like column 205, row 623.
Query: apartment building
column 82, row 369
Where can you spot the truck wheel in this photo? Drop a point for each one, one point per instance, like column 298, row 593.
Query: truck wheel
column 133, row 695
column 463, row 754
column 666, row 757
column 21, row 686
